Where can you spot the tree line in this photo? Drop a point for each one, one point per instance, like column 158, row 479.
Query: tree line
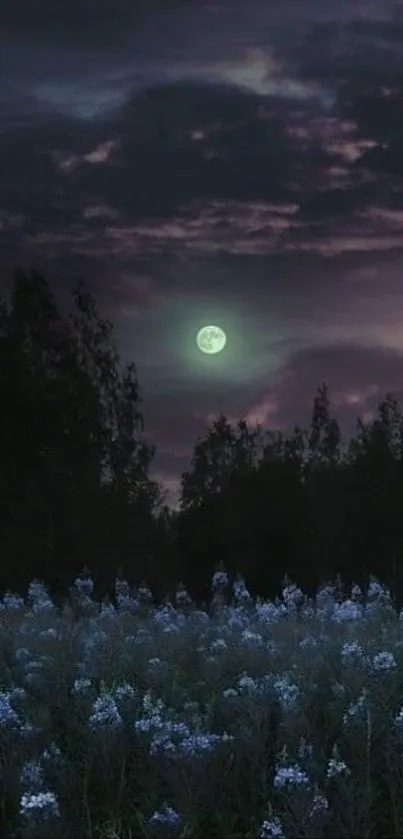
column 76, row 491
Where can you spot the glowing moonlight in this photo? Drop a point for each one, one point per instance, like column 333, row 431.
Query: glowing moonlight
column 211, row 339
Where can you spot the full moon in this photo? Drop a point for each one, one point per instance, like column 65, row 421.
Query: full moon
column 211, row 339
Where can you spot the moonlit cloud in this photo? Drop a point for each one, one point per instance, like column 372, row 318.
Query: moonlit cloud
column 214, row 161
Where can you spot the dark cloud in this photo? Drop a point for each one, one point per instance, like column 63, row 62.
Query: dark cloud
column 334, row 203
column 363, row 60
column 222, row 160
column 238, row 156
column 174, row 144
column 78, row 21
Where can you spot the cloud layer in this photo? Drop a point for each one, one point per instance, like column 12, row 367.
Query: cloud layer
column 199, row 162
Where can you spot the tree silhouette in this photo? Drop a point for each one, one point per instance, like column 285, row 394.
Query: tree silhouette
column 306, row 504
column 73, row 467
column 215, row 457
column 376, row 471
column 75, row 489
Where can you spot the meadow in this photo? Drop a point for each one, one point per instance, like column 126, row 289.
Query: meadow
column 246, row 719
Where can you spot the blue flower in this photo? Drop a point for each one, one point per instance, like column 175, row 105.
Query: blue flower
column 44, row 804
column 166, row 817
column 287, row 776
column 125, row 692
column 324, row 599
column 182, row 598
column 351, row 650
column 287, row 693
column 22, row 655
column 144, row 593
column 107, row 611
column 253, row 639
column 127, row 603
column 272, row 829
column 269, row 612
column 357, row 711
column 247, row 685
column 11, row 603
column 308, row 643
column 8, row 717
column 149, row 724
column 375, row 590
column 219, row 581
column 199, row 744
column 81, row 685
column 320, row 806
column 292, row 595
column 240, row 592
column 104, row 713
column 39, row 598
column 142, row 637
column 162, row 744
column 337, row 767
column 384, row 662
column 31, row 776
column 236, row 621
column 84, row 585
column 17, row 695
column 347, row 611
column 52, row 756
column 164, row 615
column 122, row 588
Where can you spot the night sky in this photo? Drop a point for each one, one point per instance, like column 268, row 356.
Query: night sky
column 235, row 162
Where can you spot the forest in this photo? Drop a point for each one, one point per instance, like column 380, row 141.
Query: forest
column 76, row 491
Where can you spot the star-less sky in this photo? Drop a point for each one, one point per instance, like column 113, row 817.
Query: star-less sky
column 215, row 161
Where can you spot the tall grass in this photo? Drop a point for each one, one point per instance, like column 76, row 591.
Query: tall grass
column 249, row 719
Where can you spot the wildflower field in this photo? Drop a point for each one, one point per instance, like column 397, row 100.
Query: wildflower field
column 245, row 720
